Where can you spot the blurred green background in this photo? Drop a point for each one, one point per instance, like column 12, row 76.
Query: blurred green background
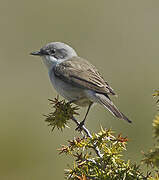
column 120, row 37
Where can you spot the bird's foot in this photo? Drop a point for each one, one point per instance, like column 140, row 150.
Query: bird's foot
column 79, row 127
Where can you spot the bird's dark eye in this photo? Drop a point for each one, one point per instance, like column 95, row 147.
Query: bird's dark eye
column 52, row 51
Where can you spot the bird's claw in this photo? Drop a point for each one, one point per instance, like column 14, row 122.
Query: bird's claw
column 80, row 126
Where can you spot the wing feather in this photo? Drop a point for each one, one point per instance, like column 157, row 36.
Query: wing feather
column 82, row 74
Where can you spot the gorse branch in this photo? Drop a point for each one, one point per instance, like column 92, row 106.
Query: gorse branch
column 61, row 115
column 96, row 149
column 98, row 155
column 152, row 157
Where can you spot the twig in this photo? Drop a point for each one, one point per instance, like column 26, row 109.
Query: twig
column 88, row 135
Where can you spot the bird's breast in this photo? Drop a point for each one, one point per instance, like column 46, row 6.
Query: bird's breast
column 68, row 91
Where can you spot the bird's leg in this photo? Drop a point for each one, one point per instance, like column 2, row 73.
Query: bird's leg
column 83, row 121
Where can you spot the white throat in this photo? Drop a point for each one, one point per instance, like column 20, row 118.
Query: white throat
column 50, row 61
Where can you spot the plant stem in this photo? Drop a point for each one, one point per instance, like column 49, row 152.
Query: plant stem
column 96, row 149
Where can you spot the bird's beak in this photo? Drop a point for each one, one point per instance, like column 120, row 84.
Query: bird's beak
column 36, row 53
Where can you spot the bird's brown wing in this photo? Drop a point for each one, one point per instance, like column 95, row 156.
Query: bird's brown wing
column 81, row 73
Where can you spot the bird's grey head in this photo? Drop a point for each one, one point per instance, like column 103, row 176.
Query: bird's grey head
column 55, row 52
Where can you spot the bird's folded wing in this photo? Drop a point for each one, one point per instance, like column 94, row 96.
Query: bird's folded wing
column 81, row 73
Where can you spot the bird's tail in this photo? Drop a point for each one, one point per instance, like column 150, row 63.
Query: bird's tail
column 106, row 102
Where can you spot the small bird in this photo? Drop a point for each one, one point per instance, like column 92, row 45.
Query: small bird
column 76, row 79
